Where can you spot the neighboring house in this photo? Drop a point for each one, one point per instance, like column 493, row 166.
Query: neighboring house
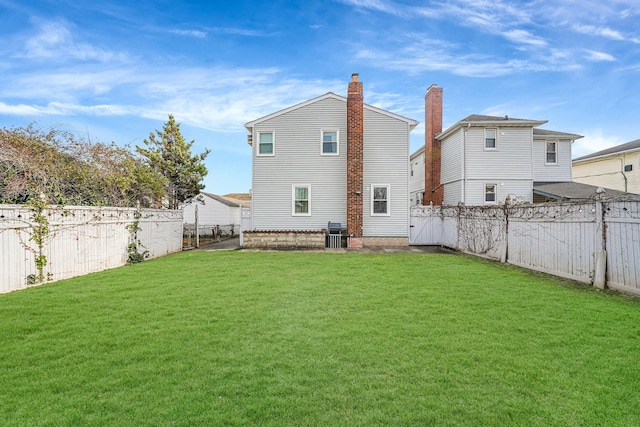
column 333, row 159
column 416, row 177
column 481, row 160
column 616, row 167
column 215, row 210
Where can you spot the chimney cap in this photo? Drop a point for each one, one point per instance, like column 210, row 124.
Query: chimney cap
column 354, row 77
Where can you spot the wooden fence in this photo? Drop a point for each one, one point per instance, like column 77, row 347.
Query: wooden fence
column 595, row 241
column 80, row 240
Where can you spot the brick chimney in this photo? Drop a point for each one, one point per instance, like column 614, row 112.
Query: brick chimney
column 433, row 192
column 355, row 139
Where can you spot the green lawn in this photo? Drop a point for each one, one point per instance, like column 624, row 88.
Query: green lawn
column 318, row 339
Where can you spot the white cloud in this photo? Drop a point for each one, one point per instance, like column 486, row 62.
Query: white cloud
column 599, row 56
column 524, row 37
column 55, row 41
column 593, row 30
column 378, row 5
column 209, row 98
column 190, row 33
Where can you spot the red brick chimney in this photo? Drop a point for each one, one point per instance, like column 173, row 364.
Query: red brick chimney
column 355, row 139
column 433, row 192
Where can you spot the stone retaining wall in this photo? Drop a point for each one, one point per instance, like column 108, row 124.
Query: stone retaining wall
column 284, row 239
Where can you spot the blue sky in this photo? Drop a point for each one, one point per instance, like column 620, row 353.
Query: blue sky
column 114, row 70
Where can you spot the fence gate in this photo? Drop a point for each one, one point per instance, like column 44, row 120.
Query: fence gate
column 425, row 226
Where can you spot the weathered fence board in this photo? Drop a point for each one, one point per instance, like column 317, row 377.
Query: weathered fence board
column 556, row 238
column 81, row 240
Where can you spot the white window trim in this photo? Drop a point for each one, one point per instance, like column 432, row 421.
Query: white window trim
column 546, row 152
column 388, row 187
column 484, row 140
column 337, row 131
column 495, row 192
column 293, row 199
column 273, row 143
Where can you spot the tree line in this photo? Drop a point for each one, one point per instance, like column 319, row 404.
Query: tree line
column 63, row 169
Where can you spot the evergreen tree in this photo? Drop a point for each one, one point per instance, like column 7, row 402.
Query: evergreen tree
column 169, row 154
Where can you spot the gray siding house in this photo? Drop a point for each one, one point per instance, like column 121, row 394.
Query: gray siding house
column 312, row 164
column 482, row 160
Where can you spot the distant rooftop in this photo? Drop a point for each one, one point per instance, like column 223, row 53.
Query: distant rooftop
column 633, row 145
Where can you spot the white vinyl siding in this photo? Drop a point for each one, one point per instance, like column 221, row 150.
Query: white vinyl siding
column 453, row 193
column 558, row 172
column 452, row 158
column 298, row 161
column 511, row 161
column 386, row 160
column 416, row 180
column 475, row 192
column 211, row 212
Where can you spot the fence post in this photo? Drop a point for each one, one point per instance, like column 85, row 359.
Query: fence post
column 505, row 236
column 197, row 226
column 600, row 274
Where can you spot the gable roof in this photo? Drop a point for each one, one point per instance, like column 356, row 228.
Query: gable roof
column 329, row 95
column 479, row 120
column 555, row 134
column 573, row 190
column 629, row 146
column 223, row 200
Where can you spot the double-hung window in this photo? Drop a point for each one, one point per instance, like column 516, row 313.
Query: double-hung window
column 490, row 139
column 301, row 200
column 329, row 142
column 380, row 200
column 266, row 143
column 552, row 153
column 490, row 193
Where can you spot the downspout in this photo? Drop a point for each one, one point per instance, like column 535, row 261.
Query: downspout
column 464, row 163
column 622, row 172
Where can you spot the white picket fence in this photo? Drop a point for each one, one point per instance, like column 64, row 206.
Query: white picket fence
column 81, row 240
column 596, row 242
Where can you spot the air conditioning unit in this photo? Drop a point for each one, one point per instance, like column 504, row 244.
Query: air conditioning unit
column 250, row 139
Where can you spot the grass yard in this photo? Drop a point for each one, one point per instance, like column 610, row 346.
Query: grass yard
column 318, row 339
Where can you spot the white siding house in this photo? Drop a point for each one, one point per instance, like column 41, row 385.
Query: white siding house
column 300, row 173
column 416, row 177
column 213, row 210
column 485, row 159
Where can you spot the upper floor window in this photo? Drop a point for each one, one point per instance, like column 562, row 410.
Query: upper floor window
column 301, row 198
column 380, row 200
column 330, row 142
column 490, row 193
column 266, row 143
column 552, row 154
column 490, row 139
